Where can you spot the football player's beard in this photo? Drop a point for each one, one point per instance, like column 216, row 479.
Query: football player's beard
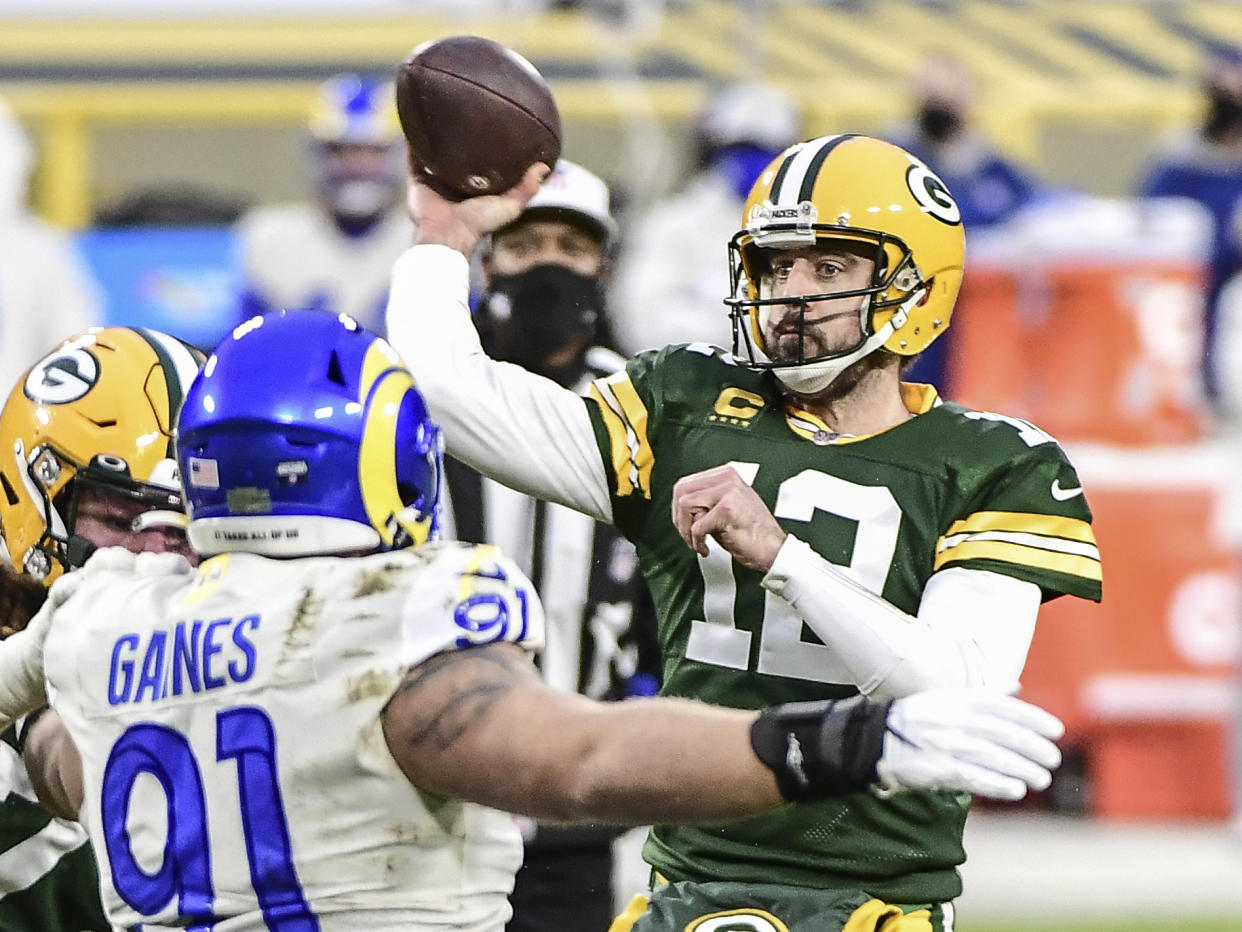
column 848, row 380
column 807, row 342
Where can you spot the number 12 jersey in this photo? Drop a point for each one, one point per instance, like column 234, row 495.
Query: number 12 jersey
column 951, row 487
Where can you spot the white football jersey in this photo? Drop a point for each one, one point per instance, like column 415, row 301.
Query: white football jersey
column 235, row 768
column 294, row 256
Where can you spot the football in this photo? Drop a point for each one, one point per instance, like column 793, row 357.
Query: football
column 476, row 115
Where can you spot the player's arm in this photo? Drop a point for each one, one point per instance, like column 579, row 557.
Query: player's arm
column 973, row 627
column 52, row 763
column 22, row 688
column 480, row 724
column 523, row 430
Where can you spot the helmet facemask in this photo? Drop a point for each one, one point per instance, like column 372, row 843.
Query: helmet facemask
column 95, row 412
column 848, row 189
column 895, row 287
column 356, row 149
column 54, row 484
column 359, row 183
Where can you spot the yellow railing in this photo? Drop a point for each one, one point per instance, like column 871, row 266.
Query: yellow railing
column 1038, row 64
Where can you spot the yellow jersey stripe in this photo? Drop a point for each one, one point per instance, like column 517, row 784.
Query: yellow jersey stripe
column 1023, row 523
column 480, row 556
column 1004, row 552
column 625, row 417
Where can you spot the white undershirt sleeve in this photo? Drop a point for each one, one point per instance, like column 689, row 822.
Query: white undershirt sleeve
column 22, row 687
column 973, row 627
column 520, row 429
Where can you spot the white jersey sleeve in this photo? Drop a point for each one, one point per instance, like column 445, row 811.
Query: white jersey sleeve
column 21, row 669
column 229, row 726
column 520, row 429
column 954, row 640
column 468, row 596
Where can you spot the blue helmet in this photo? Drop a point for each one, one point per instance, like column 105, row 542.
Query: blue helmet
column 304, row 434
column 357, row 153
column 351, row 109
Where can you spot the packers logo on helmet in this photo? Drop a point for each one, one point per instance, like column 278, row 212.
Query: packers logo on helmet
column 932, row 194
column 63, row 377
column 98, row 409
column 878, row 198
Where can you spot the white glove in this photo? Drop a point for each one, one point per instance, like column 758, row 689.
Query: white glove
column 971, row 740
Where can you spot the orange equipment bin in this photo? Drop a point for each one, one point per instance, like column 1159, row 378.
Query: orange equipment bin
column 1087, row 319
column 1145, row 681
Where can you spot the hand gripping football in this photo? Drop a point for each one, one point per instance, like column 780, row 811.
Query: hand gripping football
column 476, row 115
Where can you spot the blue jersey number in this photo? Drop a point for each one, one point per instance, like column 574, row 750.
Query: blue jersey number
column 243, row 735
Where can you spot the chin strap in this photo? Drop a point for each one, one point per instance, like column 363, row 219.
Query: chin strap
column 813, row 377
column 160, row 518
column 78, row 550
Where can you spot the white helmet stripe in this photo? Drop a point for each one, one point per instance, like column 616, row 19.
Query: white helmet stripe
column 798, row 173
column 183, row 361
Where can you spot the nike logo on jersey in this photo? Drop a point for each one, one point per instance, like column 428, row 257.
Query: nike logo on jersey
column 1064, row 495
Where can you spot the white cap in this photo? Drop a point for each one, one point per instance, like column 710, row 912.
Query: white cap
column 754, row 113
column 571, row 189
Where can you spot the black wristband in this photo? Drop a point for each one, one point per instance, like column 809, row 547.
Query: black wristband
column 821, row 749
column 27, row 723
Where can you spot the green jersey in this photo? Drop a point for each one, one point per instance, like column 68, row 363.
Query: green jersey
column 951, row 487
column 48, row 877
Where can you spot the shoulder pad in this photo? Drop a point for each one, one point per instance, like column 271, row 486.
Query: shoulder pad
column 108, row 559
column 162, row 564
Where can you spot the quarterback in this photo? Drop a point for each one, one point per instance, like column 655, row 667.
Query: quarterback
column 810, row 526
column 318, row 727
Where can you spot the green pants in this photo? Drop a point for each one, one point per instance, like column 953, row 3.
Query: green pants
column 738, row 907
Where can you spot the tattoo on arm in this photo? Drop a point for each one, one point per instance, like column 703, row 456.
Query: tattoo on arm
column 444, row 711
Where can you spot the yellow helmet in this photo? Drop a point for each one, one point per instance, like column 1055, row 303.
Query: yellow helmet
column 100, row 409
column 863, row 190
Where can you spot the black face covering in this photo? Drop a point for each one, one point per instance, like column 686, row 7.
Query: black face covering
column 527, row 318
column 1224, row 116
column 938, row 121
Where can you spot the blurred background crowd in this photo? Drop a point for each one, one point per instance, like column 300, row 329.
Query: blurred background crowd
column 162, row 168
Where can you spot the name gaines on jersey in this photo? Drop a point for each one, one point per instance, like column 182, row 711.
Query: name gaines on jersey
column 192, row 657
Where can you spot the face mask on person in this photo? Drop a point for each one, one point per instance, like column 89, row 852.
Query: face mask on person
column 529, row 317
column 358, row 200
column 939, row 122
column 358, row 184
column 1224, row 116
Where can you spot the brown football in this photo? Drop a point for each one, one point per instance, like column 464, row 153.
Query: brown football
column 476, row 114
